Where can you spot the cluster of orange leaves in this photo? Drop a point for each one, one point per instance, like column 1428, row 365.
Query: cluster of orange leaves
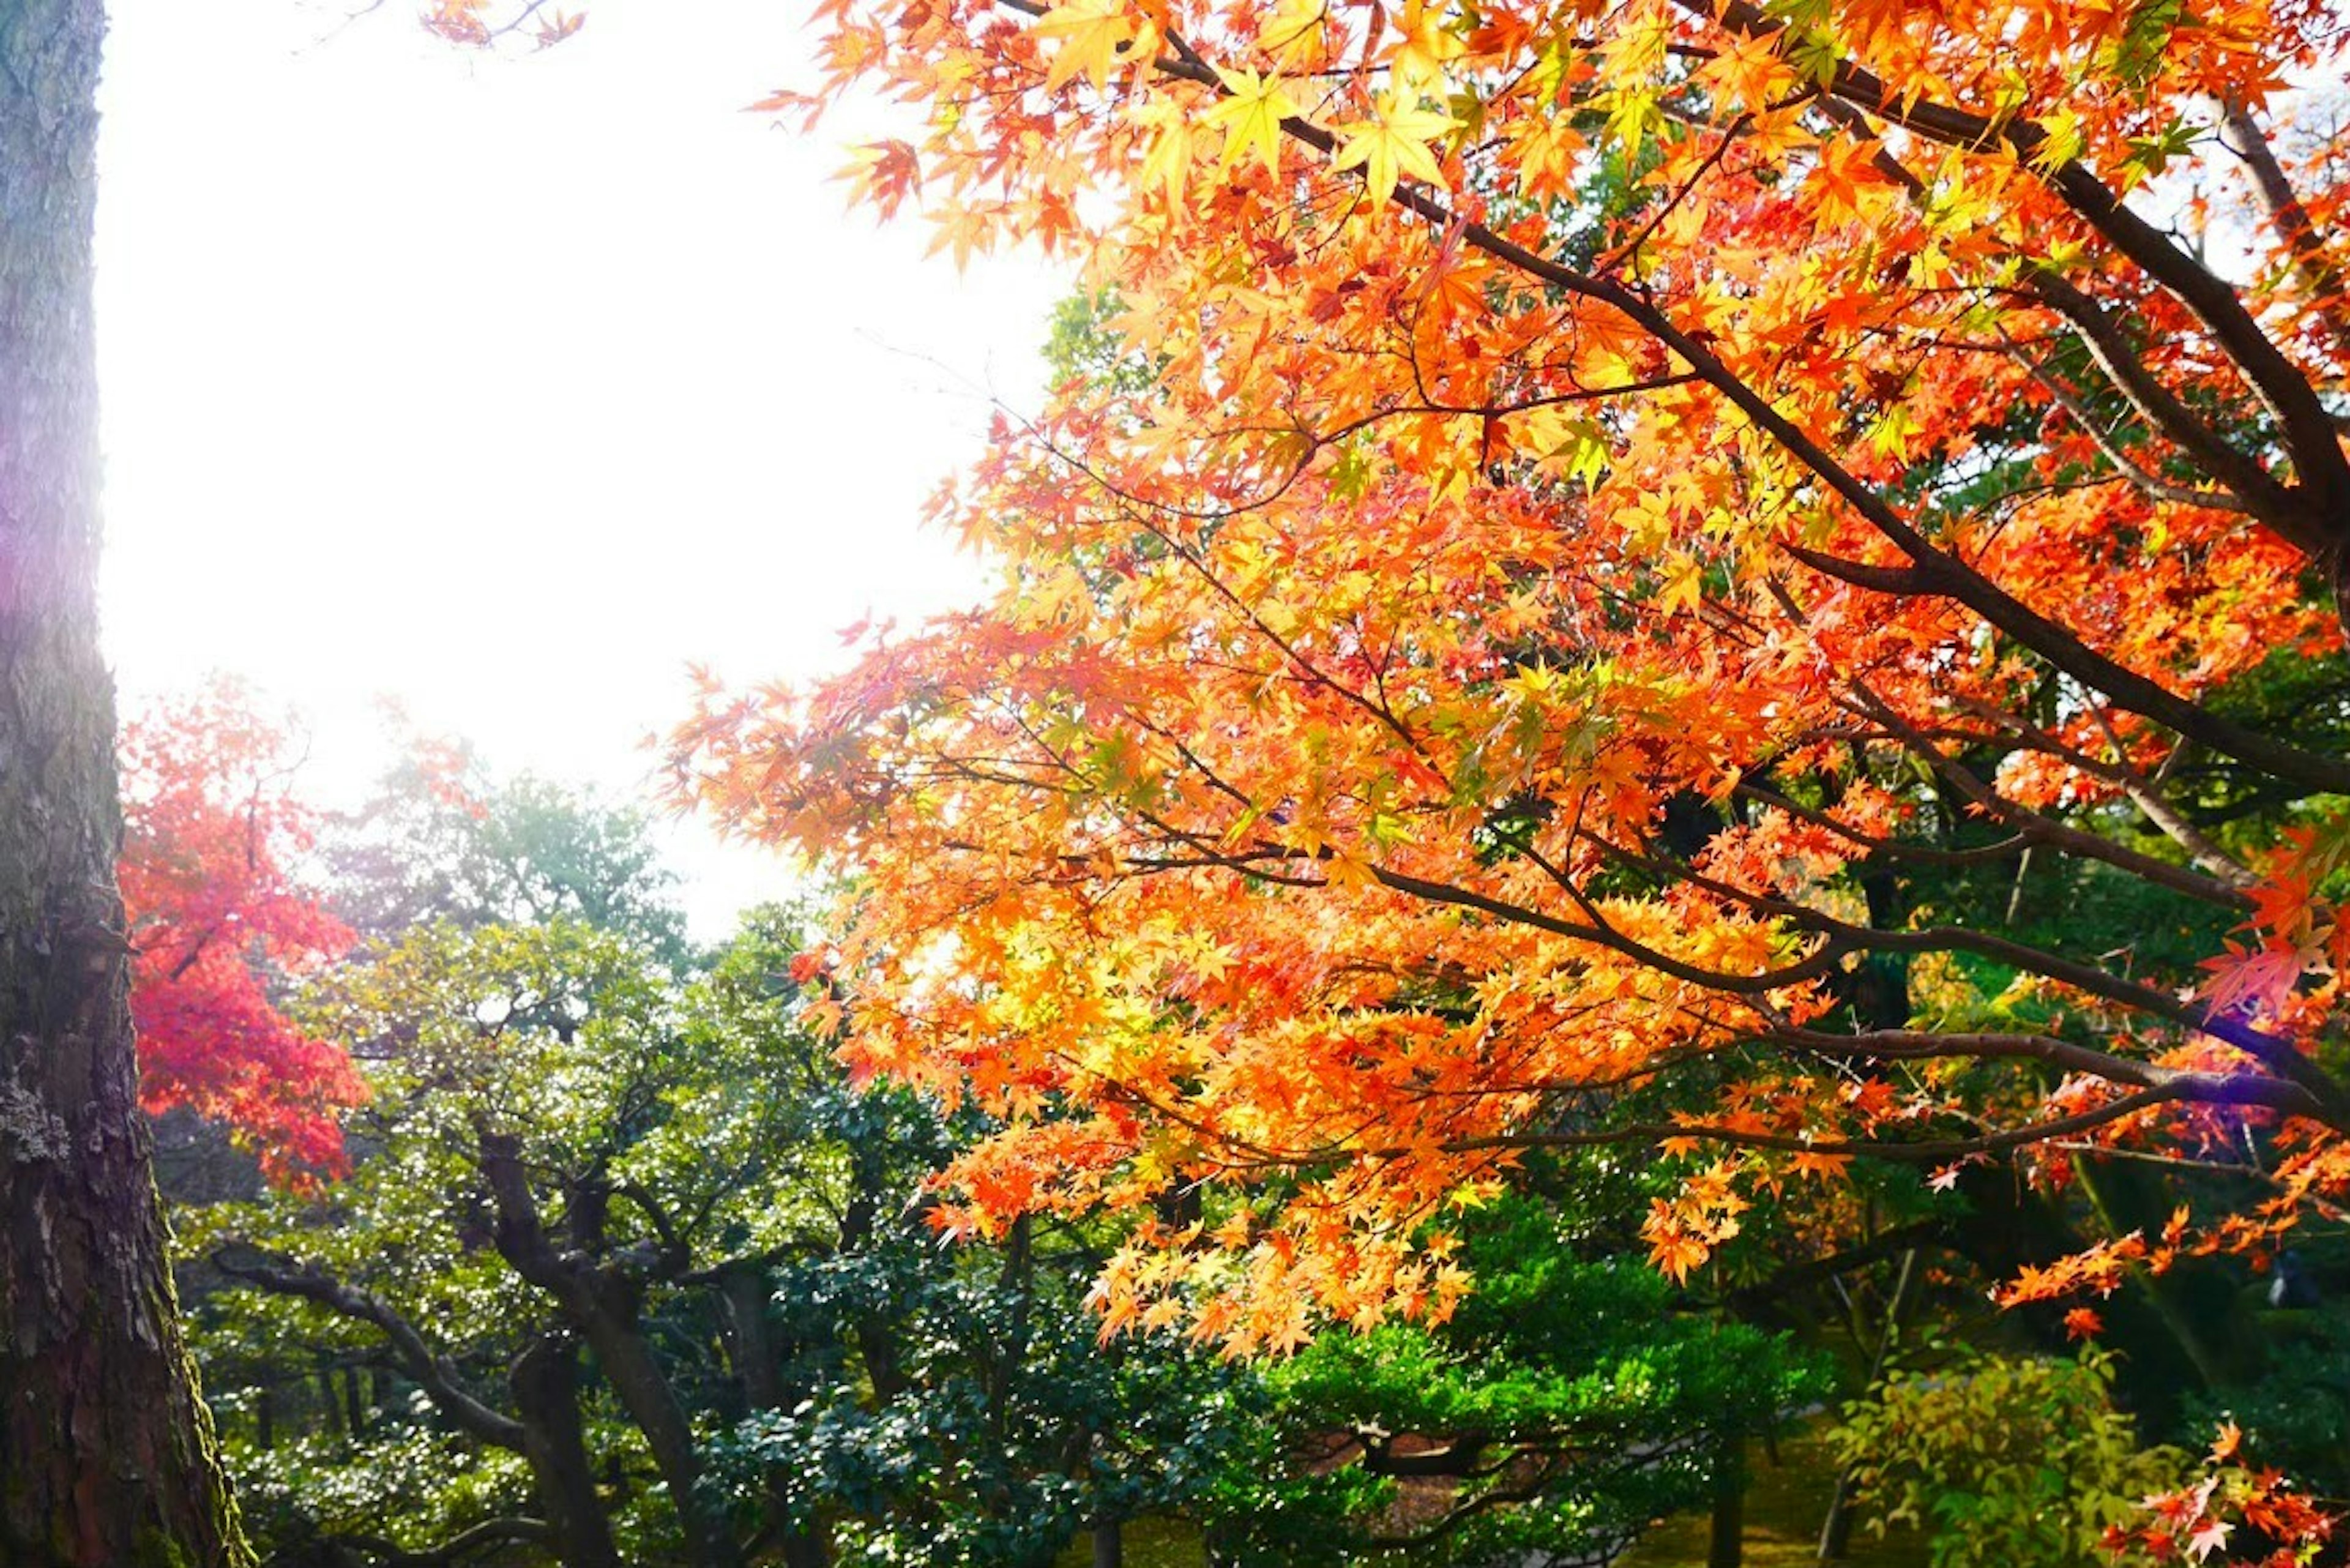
column 2293, row 932
column 1683, row 1230
column 1495, row 381
column 2103, row 1268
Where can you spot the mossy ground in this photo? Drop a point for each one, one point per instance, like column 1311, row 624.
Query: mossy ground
column 1784, row 1504
column 1150, row 1543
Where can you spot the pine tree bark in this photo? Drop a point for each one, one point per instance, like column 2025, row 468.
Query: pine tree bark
column 106, row 1454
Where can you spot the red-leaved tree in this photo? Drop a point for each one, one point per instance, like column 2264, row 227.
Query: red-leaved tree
column 218, row 920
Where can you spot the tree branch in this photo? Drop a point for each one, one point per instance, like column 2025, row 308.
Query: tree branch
column 1935, row 1151
column 489, row 1532
column 2308, row 428
column 1942, row 575
column 2319, row 274
column 433, row 1373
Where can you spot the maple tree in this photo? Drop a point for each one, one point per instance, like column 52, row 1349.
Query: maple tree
column 219, row 922
column 1616, row 541
column 2254, row 1516
column 480, row 24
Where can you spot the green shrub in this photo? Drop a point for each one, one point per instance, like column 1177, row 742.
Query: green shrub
column 2003, row 1459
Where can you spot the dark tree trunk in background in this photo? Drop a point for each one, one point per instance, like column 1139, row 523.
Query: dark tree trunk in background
column 105, row 1453
column 745, row 1288
column 545, row 1383
column 601, row 1301
column 1725, row 1543
column 1835, row 1530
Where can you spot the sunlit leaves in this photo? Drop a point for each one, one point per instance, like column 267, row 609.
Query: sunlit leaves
column 1394, row 144
column 1093, row 36
column 222, row 925
column 1250, row 115
column 1585, row 499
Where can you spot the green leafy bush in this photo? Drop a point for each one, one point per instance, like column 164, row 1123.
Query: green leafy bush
column 1568, row 1403
column 2003, row 1459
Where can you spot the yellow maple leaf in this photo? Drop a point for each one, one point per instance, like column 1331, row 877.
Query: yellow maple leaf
column 1091, row 32
column 1171, row 141
column 1252, row 112
column 1416, row 63
column 1292, row 34
column 1395, row 144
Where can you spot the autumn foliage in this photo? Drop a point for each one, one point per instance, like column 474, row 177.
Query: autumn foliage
column 480, row 24
column 2246, row 1514
column 219, row 923
column 1598, row 520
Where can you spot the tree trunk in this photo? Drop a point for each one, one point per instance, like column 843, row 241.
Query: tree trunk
column 601, row 1303
column 875, row 1339
column 545, row 1384
column 106, row 1454
column 744, row 1288
column 330, row 1403
column 1835, row 1530
column 1726, row 1538
column 609, row 1322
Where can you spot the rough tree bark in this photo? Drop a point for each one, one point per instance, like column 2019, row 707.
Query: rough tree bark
column 106, row 1454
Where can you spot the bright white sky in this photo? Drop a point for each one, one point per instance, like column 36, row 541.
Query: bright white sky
column 510, row 385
